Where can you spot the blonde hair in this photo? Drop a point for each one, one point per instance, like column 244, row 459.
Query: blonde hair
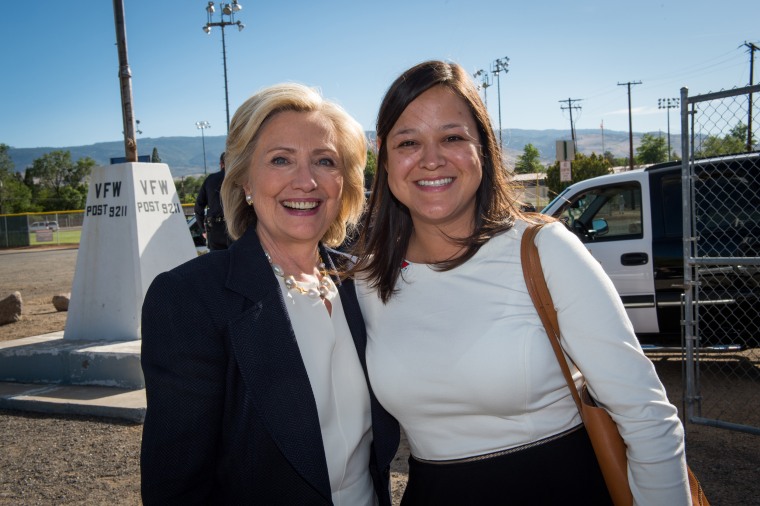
column 241, row 142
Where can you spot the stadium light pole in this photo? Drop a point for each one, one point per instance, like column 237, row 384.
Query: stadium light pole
column 668, row 103
column 228, row 10
column 500, row 65
column 484, row 84
column 203, row 125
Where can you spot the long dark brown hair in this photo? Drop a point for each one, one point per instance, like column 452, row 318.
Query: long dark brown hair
column 387, row 224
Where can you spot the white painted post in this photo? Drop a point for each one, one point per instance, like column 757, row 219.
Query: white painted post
column 133, row 230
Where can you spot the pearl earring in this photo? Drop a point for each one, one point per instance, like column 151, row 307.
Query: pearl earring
column 249, row 200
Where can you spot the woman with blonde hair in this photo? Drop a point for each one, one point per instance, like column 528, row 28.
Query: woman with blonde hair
column 256, row 393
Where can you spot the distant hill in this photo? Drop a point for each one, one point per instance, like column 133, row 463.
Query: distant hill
column 184, row 155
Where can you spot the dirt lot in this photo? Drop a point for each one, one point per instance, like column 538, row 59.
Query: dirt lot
column 80, row 460
column 38, row 274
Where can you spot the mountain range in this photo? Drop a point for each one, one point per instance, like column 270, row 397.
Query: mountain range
column 185, row 155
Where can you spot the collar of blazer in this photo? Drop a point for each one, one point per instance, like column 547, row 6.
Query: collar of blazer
column 249, row 267
column 266, row 350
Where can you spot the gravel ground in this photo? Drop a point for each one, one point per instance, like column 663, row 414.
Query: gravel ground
column 65, row 460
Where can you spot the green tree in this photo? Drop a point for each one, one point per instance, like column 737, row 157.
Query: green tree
column 370, row 168
column 732, row 143
column 54, row 171
column 582, row 168
column 615, row 161
column 71, row 197
column 154, row 158
column 188, row 188
column 652, row 149
column 529, row 162
column 6, row 163
column 15, row 197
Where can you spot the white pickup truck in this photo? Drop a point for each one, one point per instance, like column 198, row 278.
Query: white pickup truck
column 631, row 222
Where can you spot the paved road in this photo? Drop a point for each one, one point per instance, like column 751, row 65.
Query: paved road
column 37, row 273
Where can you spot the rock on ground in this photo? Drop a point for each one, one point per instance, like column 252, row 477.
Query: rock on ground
column 61, row 301
column 10, row 308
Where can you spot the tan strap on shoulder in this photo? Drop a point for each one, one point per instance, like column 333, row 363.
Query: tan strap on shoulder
column 542, row 299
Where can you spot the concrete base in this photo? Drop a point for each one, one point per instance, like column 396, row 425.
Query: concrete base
column 51, row 375
column 108, row 402
column 52, row 359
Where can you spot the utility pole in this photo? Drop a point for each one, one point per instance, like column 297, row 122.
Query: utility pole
column 752, row 48
column 630, row 123
column 570, row 107
column 125, row 79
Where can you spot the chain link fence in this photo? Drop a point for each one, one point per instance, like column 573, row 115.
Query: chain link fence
column 721, row 331
column 531, row 191
column 40, row 229
column 48, row 229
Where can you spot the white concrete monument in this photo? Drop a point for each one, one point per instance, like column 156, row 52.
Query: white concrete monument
column 134, row 229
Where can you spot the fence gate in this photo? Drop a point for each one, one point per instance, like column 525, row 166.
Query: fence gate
column 721, row 179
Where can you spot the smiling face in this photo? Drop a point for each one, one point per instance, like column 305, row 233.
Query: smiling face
column 295, row 177
column 434, row 161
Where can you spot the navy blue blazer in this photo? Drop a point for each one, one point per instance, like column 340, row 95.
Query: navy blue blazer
column 231, row 417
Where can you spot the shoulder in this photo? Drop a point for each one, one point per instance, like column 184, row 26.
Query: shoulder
column 206, row 263
column 203, row 272
column 555, row 235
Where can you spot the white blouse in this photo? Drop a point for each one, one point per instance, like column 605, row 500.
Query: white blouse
column 340, row 390
column 462, row 360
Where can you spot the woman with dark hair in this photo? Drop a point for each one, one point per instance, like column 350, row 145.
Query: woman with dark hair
column 456, row 350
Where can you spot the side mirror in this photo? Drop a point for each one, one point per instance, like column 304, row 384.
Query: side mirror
column 599, row 227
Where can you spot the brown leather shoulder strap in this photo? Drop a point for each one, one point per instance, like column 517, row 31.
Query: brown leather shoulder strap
column 542, row 299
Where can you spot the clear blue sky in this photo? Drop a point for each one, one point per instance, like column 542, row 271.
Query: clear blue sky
column 59, row 85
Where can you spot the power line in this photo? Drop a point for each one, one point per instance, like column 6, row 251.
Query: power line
column 717, row 63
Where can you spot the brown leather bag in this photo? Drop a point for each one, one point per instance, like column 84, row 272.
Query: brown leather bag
column 608, row 445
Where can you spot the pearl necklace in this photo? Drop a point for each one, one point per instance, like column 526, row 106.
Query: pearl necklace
column 319, row 292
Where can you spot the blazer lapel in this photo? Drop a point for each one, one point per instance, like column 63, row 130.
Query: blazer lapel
column 271, row 366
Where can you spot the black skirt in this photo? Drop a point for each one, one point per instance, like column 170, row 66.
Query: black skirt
column 561, row 470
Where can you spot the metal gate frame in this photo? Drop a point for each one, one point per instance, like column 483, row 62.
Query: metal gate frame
column 693, row 398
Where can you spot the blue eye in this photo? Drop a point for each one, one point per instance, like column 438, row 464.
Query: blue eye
column 327, row 162
column 279, row 160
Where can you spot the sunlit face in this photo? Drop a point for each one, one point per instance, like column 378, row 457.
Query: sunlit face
column 295, row 177
column 434, row 161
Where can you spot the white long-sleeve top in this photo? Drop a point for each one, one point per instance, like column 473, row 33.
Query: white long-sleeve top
column 462, row 360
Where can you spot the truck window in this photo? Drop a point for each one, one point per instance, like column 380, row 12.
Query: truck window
column 727, row 216
column 672, row 206
column 606, row 213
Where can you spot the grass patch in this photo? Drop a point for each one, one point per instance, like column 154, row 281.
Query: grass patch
column 60, row 236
